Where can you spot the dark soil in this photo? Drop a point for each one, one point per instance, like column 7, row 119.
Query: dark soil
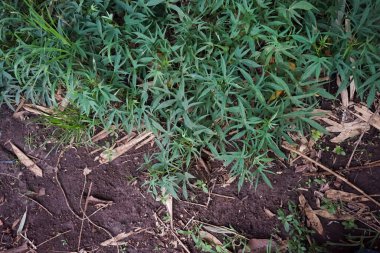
column 54, row 217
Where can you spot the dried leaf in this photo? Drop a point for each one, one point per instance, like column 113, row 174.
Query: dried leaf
column 110, row 155
column 206, row 236
column 325, row 214
column 24, row 159
column 311, row 216
column 20, row 115
column 367, row 115
column 100, row 136
column 269, row 213
column 86, row 171
column 22, row 222
column 301, row 168
column 344, row 196
column 345, row 130
column 115, row 240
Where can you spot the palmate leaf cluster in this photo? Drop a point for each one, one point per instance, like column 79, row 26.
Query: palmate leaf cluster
column 233, row 77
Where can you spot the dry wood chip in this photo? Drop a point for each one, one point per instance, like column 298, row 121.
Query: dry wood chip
column 100, row 136
column 311, row 216
column 37, row 109
column 95, row 200
column 344, row 196
column 115, row 241
column 24, row 159
column 269, row 213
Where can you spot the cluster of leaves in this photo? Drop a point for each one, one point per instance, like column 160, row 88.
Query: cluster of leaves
column 233, row 77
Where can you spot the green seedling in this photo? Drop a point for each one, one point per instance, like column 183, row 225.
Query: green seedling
column 339, row 150
column 201, row 185
column 316, row 135
column 349, row 224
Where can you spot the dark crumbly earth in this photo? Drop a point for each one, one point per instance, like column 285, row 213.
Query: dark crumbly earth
column 54, row 203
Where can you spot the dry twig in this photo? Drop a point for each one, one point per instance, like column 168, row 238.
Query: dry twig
column 333, row 173
column 44, row 208
column 173, row 233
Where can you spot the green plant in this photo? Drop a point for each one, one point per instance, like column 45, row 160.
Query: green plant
column 329, row 205
column 201, row 185
column 231, row 241
column 69, row 126
column 299, row 234
column 316, row 135
column 349, row 224
column 339, row 150
column 234, row 77
column 30, row 141
column 368, row 239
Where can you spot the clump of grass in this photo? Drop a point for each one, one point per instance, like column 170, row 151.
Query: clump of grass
column 69, row 126
column 233, row 77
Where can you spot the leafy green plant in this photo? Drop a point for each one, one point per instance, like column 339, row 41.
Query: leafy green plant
column 299, row 234
column 233, row 77
column 316, row 135
column 339, row 150
column 349, row 224
column 329, row 205
column 70, row 126
column 201, row 185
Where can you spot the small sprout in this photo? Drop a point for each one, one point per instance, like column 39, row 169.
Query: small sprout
column 64, row 242
column 167, row 218
column 316, row 135
column 349, row 224
column 201, row 185
column 330, row 206
column 339, row 150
